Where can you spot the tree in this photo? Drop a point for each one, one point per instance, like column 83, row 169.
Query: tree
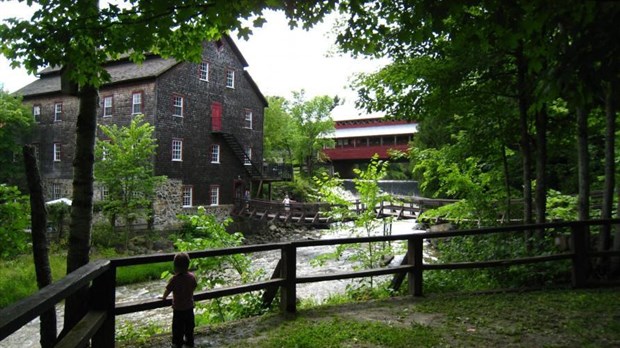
column 365, row 222
column 313, row 120
column 280, row 132
column 15, row 126
column 125, row 168
column 40, row 242
column 80, row 37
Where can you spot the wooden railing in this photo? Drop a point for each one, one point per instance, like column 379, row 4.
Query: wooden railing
column 316, row 213
column 98, row 324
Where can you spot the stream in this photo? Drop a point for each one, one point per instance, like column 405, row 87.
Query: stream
column 28, row 336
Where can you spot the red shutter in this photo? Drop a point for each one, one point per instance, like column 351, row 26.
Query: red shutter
column 216, row 117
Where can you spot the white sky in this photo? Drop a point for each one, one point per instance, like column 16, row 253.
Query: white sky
column 280, row 61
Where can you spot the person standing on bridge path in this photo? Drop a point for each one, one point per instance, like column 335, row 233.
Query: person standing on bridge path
column 182, row 286
column 287, row 203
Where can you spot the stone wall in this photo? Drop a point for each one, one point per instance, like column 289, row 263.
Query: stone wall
column 167, row 204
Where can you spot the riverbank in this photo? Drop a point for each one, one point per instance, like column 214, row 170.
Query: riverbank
column 542, row 318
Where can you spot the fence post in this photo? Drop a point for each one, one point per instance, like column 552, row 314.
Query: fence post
column 288, row 291
column 414, row 277
column 102, row 296
column 579, row 248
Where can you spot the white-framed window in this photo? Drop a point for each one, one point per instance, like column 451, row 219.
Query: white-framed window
column 214, row 196
column 136, row 103
column 187, row 196
column 177, row 149
column 215, row 153
column 247, row 160
column 248, row 119
column 57, row 152
column 177, row 105
column 36, row 112
column 230, row 78
column 57, row 112
column 108, row 104
column 203, row 71
column 56, row 191
column 104, row 192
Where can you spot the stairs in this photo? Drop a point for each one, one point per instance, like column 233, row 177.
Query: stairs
column 234, row 144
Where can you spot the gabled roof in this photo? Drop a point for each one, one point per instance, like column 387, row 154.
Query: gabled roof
column 119, row 72
column 122, row 70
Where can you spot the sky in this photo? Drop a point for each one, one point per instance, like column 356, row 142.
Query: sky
column 280, row 61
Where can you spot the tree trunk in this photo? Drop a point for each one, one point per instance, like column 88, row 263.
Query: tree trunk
column 40, row 243
column 541, row 168
column 583, row 159
column 615, row 261
column 82, row 208
column 524, row 143
column 610, row 169
column 506, row 183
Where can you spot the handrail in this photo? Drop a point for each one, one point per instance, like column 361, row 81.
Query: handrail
column 98, row 324
column 22, row 312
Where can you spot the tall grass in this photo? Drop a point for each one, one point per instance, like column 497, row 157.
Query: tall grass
column 18, row 278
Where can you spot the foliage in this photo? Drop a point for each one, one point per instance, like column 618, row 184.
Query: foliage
column 138, row 334
column 14, row 220
column 497, row 247
column 313, row 120
column 125, row 169
column 477, row 184
column 294, row 129
column 365, row 223
column 280, row 132
column 209, row 233
column 561, row 207
column 16, row 125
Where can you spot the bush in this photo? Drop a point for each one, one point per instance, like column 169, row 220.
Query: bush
column 103, row 236
column 15, row 213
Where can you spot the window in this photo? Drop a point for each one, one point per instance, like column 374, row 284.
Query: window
column 187, row 196
column 107, row 106
column 248, row 119
column 203, row 71
column 136, row 103
column 177, row 150
column 177, row 106
column 215, row 153
column 230, row 78
column 57, row 112
column 57, row 148
column 215, row 195
column 104, row 192
column 36, row 113
column 247, row 160
column 56, row 191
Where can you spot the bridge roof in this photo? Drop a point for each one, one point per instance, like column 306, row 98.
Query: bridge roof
column 378, row 130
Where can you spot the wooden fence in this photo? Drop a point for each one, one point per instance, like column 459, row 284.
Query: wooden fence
column 98, row 324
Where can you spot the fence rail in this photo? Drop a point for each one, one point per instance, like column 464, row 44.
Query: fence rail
column 98, row 323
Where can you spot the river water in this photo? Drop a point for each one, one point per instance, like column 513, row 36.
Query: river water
column 28, row 336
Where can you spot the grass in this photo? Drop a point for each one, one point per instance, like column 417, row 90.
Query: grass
column 547, row 318
column 338, row 332
column 18, row 279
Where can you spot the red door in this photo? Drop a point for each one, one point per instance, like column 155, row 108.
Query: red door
column 216, row 117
